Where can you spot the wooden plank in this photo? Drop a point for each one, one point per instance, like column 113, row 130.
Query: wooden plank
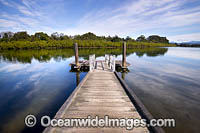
column 99, row 130
column 86, row 63
column 99, row 93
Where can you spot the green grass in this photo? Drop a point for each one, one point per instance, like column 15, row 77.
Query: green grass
column 81, row 43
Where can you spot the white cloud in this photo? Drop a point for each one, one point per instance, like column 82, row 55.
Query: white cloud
column 31, row 20
column 28, row 8
column 8, row 23
column 184, row 53
column 4, row 2
column 132, row 18
column 138, row 17
column 13, row 67
column 25, row 11
column 35, row 76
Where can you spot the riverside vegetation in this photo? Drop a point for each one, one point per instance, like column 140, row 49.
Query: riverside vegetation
column 40, row 40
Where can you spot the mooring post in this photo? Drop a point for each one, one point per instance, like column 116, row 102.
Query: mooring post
column 124, row 56
column 76, row 55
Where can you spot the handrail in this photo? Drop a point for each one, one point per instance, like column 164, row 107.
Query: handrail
column 92, row 62
column 110, row 60
column 112, row 63
column 106, row 58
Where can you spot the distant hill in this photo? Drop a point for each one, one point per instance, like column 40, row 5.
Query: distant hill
column 187, row 44
column 191, row 42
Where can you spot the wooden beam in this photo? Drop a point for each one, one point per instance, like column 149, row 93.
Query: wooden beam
column 124, row 56
column 76, row 55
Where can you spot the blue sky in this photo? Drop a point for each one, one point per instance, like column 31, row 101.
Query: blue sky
column 179, row 20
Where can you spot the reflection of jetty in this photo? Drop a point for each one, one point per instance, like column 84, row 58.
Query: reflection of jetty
column 102, row 93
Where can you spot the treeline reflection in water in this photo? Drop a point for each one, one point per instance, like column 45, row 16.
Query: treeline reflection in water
column 38, row 82
column 26, row 56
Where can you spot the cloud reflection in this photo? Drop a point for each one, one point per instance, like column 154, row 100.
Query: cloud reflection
column 169, row 85
column 190, row 53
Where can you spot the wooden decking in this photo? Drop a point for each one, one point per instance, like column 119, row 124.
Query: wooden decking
column 100, row 93
column 85, row 66
column 86, row 63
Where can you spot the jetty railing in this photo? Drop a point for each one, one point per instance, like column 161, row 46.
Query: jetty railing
column 120, row 65
column 92, row 62
column 106, row 58
column 112, row 62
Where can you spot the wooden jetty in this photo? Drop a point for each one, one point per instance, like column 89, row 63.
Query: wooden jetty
column 102, row 93
column 85, row 65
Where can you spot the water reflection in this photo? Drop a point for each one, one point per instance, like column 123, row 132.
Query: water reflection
column 27, row 56
column 123, row 74
column 77, row 78
column 39, row 88
column 38, row 82
column 169, row 86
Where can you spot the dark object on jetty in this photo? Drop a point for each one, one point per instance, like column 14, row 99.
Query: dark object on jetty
column 83, row 66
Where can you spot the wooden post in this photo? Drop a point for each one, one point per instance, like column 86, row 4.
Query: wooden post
column 76, row 55
column 124, row 55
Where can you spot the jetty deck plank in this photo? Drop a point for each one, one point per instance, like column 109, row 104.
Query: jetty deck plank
column 100, row 93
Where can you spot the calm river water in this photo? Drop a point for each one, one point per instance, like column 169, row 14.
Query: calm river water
column 38, row 82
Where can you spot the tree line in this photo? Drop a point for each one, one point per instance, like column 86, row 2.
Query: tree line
column 22, row 40
column 19, row 36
